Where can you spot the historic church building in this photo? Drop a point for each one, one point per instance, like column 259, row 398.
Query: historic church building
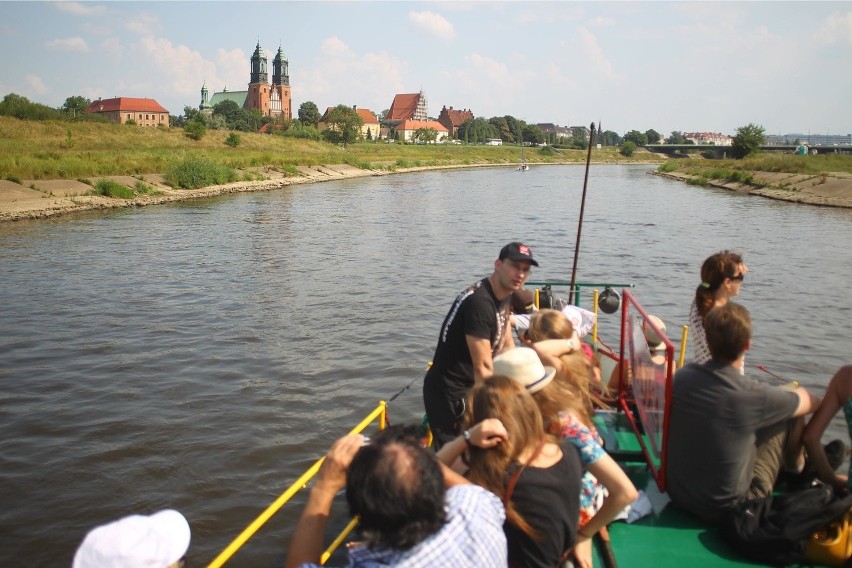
column 271, row 100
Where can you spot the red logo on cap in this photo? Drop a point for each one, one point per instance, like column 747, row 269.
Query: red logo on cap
column 525, row 250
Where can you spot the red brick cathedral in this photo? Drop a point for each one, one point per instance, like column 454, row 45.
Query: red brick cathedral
column 271, row 100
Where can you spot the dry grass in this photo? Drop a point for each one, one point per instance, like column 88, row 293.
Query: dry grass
column 59, row 150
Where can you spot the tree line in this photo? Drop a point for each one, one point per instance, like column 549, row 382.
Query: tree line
column 344, row 126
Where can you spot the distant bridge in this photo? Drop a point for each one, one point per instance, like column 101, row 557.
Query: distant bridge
column 720, row 152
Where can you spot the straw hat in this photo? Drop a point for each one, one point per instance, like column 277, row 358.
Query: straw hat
column 522, row 365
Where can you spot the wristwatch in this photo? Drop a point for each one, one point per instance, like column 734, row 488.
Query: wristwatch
column 466, row 436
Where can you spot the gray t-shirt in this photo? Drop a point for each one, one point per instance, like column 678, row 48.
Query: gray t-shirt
column 716, row 418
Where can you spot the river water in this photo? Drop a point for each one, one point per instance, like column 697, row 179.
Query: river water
column 201, row 355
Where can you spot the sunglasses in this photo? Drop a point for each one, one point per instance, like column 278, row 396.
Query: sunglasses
column 739, row 277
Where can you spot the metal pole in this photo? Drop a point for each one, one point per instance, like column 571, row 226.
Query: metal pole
column 580, row 223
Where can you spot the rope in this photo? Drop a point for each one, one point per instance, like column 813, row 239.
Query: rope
column 408, row 386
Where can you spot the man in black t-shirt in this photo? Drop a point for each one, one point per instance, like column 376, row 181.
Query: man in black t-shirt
column 475, row 330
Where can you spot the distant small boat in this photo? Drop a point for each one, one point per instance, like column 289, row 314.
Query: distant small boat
column 523, row 166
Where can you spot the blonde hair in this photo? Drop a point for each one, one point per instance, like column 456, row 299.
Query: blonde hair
column 575, row 376
column 549, row 324
column 502, row 398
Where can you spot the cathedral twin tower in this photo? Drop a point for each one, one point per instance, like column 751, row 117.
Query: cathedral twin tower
column 270, row 100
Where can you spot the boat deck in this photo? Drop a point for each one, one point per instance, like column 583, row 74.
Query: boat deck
column 668, row 538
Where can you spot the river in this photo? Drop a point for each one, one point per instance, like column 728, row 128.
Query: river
column 201, row 355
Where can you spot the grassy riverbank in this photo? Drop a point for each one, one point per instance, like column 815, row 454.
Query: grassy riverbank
column 815, row 180
column 31, row 150
column 742, row 170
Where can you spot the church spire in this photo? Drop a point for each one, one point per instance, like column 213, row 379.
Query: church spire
column 258, row 66
column 280, row 71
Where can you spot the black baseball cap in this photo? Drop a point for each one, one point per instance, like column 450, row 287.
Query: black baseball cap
column 517, row 251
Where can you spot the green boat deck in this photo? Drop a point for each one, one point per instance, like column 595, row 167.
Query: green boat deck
column 672, row 538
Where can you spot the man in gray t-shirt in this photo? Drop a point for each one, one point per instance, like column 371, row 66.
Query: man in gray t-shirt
column 729, row 435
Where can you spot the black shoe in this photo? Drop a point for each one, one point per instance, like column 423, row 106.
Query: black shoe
column 835, row 451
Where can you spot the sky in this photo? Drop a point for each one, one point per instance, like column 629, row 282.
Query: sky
column 685, row 66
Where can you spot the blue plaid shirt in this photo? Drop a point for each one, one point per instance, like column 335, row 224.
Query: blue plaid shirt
column 472, row 536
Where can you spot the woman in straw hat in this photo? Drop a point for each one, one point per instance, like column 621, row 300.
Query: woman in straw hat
column 605, row 489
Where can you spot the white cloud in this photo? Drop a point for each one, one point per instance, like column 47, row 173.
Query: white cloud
column 181, row 69
column 36, row 85
column 232, row 68
column 68, row 44
column 591, row 52
column 93, row 29
column 143, row 24
column 602, row 21
column 79, row 8
column 340, row 75
column 836, row 29
column 432, row 23
column 112, row 49
column 475, row 83
column 335, row 46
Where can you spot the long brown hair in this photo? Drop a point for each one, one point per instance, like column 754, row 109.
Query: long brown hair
column 716, row 268
column 502, row 398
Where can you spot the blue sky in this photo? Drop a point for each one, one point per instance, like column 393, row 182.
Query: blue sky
column 688, row 66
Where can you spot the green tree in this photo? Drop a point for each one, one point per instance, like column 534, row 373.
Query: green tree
column 677, row 137
column 652, row 136
column 748, row 140
column 516, row 129
column 579, row 138
column 636, row 137
column 425, row 135
column 76, row 105
column 610, row 138
column 195, row 129
column 22, row 108
column 628, row 148
column 533, row 134
column 499, row 122
column 233, row 140
column 309, row 114
column 230, row 112
column 189, row 114
column 344, row 120
column 478, row 130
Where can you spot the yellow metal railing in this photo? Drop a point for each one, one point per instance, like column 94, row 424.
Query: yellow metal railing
column 380, row 414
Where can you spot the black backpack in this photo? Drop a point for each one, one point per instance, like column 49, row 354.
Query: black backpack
column 774, row 529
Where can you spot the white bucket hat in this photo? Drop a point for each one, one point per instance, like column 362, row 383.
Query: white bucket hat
column 137, row 541
column 655, row 342
column 523, row 365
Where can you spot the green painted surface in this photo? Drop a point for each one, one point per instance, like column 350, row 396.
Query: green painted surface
column 670, row 539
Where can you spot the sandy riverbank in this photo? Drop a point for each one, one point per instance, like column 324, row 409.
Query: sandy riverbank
column 36, row 199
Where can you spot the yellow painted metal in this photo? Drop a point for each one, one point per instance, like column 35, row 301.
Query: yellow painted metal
column 595, row 325
column 339, row 540
column 683, row 337
column 378, row 413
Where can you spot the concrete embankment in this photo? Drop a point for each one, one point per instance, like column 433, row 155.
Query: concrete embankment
column 830, row 190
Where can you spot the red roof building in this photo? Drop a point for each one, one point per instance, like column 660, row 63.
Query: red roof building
column 452, row 119
column 407, row 129
column 145, row 112
column 408, row 106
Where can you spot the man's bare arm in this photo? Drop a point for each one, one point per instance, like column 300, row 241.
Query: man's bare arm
column 306, row 545
column 480, row 355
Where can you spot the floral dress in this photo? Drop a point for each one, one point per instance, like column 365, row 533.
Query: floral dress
column 592, row 493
